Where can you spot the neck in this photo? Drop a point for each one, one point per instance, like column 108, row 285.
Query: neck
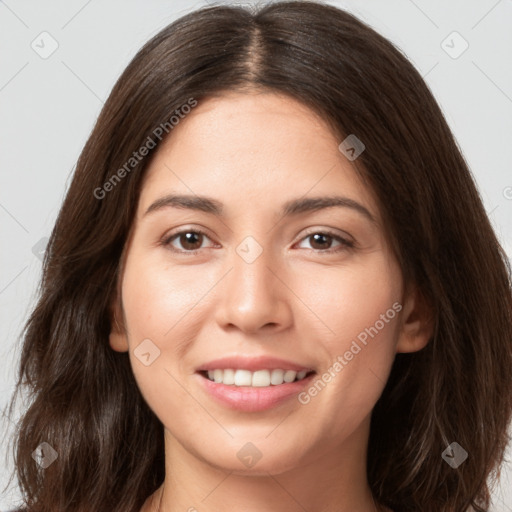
column 332, row 479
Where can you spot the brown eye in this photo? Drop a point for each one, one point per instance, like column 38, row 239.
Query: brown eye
column 190, row 241
column 323, row 240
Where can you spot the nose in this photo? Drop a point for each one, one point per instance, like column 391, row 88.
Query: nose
column 254, row 295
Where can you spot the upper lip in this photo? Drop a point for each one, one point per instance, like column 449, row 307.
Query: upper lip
column 252, row 364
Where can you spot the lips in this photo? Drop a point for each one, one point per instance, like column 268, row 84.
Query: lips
column 253, row 384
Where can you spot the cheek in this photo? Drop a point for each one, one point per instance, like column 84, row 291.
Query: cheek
column 158, row 303
column 351, row 301
column 159, row 299
column 356, row 310
column 166, row 303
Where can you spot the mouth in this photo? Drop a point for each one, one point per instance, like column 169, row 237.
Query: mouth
column 253, row 384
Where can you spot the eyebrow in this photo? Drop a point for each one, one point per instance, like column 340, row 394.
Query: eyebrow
column 290, row 208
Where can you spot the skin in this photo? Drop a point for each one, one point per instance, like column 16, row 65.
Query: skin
column 253, row 152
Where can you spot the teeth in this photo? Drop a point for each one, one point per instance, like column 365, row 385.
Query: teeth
column 261, row 378
column 277, row 377
column 257, row 379
column 228, row 377
column 289, row 376
column 242, row 377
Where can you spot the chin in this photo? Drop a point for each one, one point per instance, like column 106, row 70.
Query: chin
column 249, row 460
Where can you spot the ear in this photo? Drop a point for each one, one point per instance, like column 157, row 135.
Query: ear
column 417, row 323
column 118, row 338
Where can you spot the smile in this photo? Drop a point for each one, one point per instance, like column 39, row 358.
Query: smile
column 256, row 391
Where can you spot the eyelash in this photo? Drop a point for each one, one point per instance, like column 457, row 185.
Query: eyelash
column 345, row 244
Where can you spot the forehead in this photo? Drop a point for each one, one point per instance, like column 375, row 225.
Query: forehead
column 264, row 146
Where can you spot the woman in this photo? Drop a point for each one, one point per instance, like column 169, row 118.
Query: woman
column 272, row 285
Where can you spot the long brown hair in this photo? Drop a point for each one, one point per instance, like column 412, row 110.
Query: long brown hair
column 84, row 401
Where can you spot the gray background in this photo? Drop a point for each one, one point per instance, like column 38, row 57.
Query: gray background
column 49, row 105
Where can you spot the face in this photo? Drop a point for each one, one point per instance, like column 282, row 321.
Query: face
column 238, row 283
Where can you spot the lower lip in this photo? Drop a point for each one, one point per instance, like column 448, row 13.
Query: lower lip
column 253, row 399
